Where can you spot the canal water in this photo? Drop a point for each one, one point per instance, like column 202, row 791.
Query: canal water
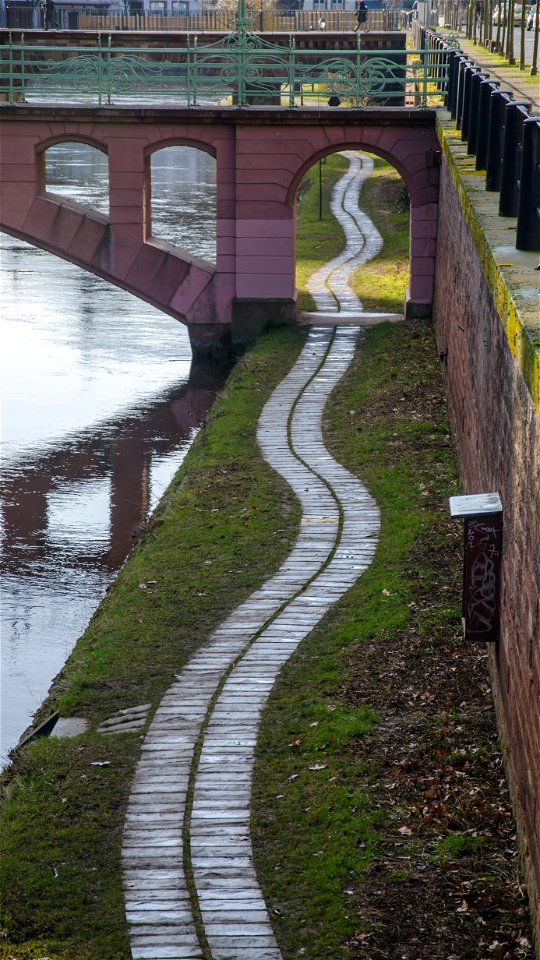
column 99, row 406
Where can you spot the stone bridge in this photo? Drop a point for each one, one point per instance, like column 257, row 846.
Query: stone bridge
column 261, row 157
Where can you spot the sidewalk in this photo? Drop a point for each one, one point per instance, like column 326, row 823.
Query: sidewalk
column 519, row 82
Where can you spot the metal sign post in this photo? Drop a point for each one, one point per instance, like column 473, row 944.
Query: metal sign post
column 481, row 563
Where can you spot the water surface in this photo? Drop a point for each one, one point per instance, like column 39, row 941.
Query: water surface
column 99, row 406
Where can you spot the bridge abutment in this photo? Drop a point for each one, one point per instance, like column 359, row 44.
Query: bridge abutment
column 262, row 155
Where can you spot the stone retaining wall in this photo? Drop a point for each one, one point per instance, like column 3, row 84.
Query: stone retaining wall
column 497, row 435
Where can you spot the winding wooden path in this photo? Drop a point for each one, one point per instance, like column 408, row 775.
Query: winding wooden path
column 190, row 886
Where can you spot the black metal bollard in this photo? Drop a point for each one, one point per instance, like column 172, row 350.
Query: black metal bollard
column 487, row 87
column 516, row 114
column 451, row 90
column 470, row 72
column 474, row 112
column 499, row 101
column 462, row 73
column 528, row 225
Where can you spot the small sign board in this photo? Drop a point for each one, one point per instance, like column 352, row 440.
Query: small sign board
column 481, row 564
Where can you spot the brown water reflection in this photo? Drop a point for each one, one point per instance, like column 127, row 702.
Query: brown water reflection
column 122, row 451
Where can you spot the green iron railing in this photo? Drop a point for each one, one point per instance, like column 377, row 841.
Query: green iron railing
column 241, row 69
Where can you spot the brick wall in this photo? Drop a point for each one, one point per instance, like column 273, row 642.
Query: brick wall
column 497, row 434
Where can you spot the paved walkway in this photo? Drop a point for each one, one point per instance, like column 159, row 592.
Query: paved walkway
column 510, row 77
column 190, row 885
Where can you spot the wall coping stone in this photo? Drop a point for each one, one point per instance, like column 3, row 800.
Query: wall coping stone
column 512, row 275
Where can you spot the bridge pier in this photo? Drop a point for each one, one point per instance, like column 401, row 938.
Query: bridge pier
column 210, row 341
column 251, row 317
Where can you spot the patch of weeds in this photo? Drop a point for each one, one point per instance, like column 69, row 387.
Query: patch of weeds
column 456, row 845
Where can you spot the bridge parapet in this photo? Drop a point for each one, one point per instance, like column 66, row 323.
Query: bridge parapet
column 261, row 158
column 241, row 69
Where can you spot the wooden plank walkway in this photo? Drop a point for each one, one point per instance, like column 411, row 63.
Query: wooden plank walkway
column 190, row 885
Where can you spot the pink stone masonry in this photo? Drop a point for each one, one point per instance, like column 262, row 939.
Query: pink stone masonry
column 261, row 158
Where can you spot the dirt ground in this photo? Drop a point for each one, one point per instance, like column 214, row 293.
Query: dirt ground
column 446, row 884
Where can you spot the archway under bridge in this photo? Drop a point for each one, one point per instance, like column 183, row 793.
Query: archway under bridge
column 261, row 156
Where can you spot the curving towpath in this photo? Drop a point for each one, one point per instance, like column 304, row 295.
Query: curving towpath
column 190, row 886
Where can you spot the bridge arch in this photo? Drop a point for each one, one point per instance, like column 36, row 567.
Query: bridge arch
column 186, row 208
column 100, row 202
column 261, row 155
column 415, row 184
column 272, row 165
column 420, row 179
column 44, row 145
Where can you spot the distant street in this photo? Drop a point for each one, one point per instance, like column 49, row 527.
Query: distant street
column 529, row 43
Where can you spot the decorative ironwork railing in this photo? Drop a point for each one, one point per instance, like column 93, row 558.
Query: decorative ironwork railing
column 241, row 69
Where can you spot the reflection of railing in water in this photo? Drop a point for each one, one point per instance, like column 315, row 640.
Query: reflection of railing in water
column 122, row 451
column 240, row 69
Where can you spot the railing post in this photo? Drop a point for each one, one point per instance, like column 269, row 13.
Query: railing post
column 474, row 112
column 11, row 93
column 194, row 70
column 487, row 87
column 99, row 70
column 528, row 225
column 188, row 72
column 470, row 72
column 292, row 70
column 108, row 72
column 425, row 69
column 499, row 100
column 358, row 64
column 516, row 114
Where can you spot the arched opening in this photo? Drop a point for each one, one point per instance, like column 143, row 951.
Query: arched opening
column 77, row 172
column 182, row 199
column 352, row 240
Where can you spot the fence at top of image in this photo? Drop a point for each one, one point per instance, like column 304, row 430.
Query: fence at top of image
column 87, row 17
column 238, row 69
column 501, row 133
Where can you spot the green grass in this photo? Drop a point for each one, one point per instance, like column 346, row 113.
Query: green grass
column 380, row 284
column 497, row 61
column 224, row 525
column 318, row 239
column 457, row 845
column 315, row 831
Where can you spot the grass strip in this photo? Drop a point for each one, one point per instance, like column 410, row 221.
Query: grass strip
column 223, row 526
column 319, row 237
column 381, row 284
column 315, row 827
